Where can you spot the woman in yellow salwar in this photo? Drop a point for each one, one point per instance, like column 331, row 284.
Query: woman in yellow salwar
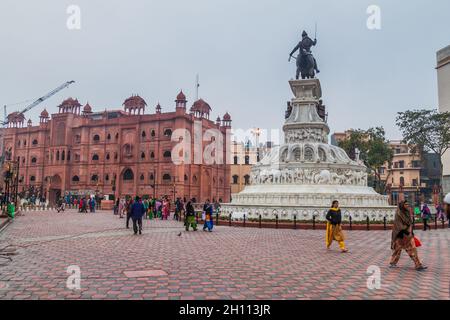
column 334, row 227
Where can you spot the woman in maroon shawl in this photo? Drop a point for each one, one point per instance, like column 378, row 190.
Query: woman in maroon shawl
column 403, row 237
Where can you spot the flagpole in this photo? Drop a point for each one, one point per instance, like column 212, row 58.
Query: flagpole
column 197, row 84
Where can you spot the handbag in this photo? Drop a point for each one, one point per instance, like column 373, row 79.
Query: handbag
column 417, row 242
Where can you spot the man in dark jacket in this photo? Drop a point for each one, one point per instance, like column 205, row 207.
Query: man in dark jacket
column 137, row 212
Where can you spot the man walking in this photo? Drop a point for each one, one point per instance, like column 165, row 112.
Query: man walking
column 137, row 212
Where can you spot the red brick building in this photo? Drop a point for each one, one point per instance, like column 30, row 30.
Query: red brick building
column 116, row 152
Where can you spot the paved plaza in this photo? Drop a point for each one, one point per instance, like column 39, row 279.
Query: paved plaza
column 229, row 263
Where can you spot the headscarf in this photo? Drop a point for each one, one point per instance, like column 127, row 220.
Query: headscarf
column 402, row 222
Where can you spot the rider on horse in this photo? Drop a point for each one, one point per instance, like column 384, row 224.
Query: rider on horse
column 304, row 47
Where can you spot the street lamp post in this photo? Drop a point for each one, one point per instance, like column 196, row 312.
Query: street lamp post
column 257, row 132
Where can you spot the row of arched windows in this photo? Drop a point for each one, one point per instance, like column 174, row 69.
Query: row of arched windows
column 246, row 160
column 246, row 179
column 166, row 154
column 24, row 143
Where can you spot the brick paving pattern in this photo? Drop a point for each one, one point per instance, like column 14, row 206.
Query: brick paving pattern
column 229, row 263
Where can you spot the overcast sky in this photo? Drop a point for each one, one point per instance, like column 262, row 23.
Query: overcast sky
column 240, row 49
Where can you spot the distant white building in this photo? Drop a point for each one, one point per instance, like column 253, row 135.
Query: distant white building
column 443, row 73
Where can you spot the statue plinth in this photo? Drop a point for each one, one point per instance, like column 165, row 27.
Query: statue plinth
column 305, row 174
column 307, row 89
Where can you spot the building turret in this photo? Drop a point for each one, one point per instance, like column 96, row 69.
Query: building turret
column 135, row 105
column 226, row 120
column 70, row 105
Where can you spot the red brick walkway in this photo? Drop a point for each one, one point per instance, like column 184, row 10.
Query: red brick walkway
column 230, row 263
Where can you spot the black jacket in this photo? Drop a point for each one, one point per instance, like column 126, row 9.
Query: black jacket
column 190, row 211
column 334, row 217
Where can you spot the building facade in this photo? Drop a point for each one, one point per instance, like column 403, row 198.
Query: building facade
column 243, row 158
column 443, row 75
column 412, row 174
column 120, row 152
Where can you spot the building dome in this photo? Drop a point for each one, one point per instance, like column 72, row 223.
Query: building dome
column 134, row 102
column 201, row 106
column 44, row 113
column 135, row 105
column 227, row 117
column 181, row 96
column 87, row 108
column 70, row 102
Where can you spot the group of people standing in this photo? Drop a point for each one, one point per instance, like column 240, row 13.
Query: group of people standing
column 85, row 203
column 137, row 209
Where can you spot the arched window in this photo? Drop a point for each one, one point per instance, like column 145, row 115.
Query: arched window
column 68, row 155
column 186, row 177
column 297, row 155
column 142, row 177
column 127, row 148
column 18, row 143
column 35, row 142
column 309, row 154
column 150, row 176
column 152, row 155
column 168, row 132
column 107, row 156
column 108, row 136
column 57, row 155
column 247, row 160
column 117, row 136
column 194, row 179
column 235, row 179
column 143, row 134
column 142, row 155
column 167, row 177
column 246, row 179
column 96, row 138
column 402, row 181
column 128, row 175
column 107, row 177
column 167, row 154
column 95, row 157
column 32, row 178
column 94, row 178
column 235, row 160
column 33, row 160
column 153, row 133
column 24, row 143
column 116, row 156
column 75, row 179
column 322, row 155
column 63, row 155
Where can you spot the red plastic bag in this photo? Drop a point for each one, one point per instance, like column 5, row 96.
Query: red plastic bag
column 417, row 242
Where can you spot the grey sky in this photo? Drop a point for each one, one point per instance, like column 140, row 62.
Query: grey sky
column 239, row 48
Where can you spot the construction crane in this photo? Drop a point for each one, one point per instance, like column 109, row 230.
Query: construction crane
column 41, row 99
column 5, row 122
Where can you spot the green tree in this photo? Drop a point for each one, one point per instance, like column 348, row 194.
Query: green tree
column 374, row 151
column 426, row 129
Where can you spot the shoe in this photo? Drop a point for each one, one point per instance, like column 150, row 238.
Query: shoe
column 392, row 266
column 135, row 233
column 421, row 268
column 344, row 250
column 140, row 232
